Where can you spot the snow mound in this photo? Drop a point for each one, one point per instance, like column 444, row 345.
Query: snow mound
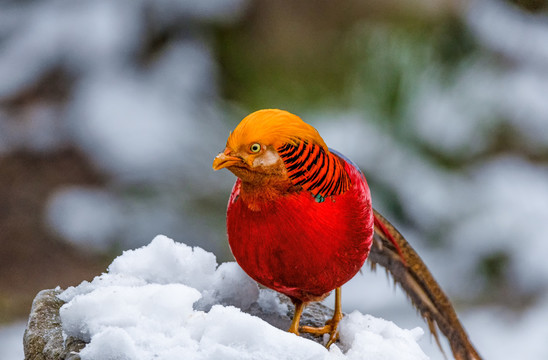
column 167, row 300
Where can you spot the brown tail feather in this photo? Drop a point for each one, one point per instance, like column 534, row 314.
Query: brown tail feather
column 393, row 252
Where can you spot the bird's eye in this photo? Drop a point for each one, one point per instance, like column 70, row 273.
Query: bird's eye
column 255, row 148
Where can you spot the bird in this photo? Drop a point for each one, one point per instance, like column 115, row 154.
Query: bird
column 300, row 221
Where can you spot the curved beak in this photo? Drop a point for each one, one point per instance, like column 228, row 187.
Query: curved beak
column 224, row 160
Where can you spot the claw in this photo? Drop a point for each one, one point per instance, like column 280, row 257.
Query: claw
column 332, row 338
column 331, row 326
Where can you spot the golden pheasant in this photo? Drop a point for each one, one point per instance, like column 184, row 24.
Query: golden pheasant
column 300, row 221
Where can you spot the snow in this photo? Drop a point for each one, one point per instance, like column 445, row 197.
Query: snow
column 11, row 341
column 510, row 336
column 369, row 344
column 504, row 27
column 166, row 300
column 89, row 217
column 485, row 94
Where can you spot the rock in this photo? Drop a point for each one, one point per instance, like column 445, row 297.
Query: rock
column 43, row 339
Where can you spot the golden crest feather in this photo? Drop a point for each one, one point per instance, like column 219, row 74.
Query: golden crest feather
column 273, row 127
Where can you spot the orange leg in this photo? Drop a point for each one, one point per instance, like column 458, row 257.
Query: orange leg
column 331, row 326
column 299, row 307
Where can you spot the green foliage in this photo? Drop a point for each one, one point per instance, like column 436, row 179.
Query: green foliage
column 370, row 66
column 494, row 269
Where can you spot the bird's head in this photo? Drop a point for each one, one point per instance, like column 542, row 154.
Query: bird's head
column 251, row 151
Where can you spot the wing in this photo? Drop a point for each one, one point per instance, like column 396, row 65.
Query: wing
column 393, row 252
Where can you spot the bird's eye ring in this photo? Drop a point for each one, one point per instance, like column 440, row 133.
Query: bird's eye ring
column 255, row 148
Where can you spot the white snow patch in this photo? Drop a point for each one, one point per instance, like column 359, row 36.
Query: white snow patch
column 88, row 217
column 11, row 341
column 510, row 335
column 270, row 303
column 367, row 336
column 168, row 300
column 509, row 30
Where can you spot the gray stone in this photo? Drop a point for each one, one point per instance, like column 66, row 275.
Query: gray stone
column 43, row 339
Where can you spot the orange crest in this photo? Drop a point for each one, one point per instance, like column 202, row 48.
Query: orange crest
column 273, row 127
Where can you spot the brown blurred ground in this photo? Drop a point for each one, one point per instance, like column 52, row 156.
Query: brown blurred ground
column 31, row 258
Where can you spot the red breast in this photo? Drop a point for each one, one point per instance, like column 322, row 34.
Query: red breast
column 299, row 246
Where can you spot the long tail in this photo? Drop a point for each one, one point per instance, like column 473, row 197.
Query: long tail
column 394, row 253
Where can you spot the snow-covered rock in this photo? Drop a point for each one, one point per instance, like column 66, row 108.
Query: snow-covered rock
column 167, row 300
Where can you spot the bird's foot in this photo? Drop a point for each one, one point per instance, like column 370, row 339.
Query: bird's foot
column 331, row 327
column 294, row 329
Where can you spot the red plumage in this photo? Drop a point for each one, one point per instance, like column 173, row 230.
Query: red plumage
column 299, row 246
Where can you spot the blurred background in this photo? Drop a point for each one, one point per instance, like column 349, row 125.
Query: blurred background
column 111, row 113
